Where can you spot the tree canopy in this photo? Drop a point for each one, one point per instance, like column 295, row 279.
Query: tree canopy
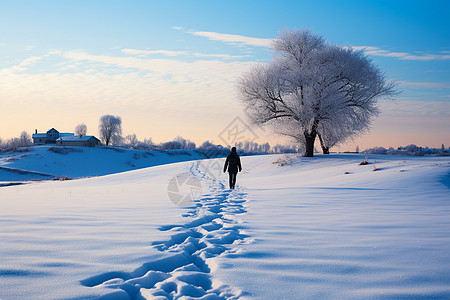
column 80, row 130
column 110, row 128
column 314, row 89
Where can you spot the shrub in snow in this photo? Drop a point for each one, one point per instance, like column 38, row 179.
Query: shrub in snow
column 287, row 159
column 365, row 161
column 376, row 150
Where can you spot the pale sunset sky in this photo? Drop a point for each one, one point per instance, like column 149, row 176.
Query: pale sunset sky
column 169, row 68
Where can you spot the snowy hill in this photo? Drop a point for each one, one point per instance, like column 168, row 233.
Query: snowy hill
column 323, row 227
column 47, row 162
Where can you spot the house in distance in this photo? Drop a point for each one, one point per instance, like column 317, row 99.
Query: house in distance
column 76, row 140
column 53, row 136
column 49, row 137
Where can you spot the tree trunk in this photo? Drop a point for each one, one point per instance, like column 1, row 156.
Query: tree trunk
column 325, row 149
column 310, row 138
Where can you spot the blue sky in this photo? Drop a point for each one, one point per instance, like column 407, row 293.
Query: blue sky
column 169, row 68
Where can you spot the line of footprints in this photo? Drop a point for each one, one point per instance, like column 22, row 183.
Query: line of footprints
column 212, row 230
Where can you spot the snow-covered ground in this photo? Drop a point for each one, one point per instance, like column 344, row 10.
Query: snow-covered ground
column 323, row 227
column 47, row 162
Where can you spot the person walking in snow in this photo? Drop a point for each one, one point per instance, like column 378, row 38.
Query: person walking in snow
column 233, row 164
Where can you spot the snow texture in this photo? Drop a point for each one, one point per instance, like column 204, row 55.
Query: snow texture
column 323, row 227
column 47, row 162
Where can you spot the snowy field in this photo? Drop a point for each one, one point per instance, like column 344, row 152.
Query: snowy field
column 319, row 228
column 47, row 162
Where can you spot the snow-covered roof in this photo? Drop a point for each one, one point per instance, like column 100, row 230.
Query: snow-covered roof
column 44, row 135
column 61, row 134
column 76, row 138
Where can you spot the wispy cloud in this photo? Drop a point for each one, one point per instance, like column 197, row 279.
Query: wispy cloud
column 433, row 85
column 233, row 38
column 22, row 66
column 177, row 53
column 414, row 108
column 375, row 51
column 437, row 71
column 198, row 68
column 30, row 47
column 165, row 93
column 266, row 42
column 150, row 52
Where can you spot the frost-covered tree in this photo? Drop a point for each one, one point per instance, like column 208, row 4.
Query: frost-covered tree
column 178, row 143
column 80, row 130
column 312, row 88
column 185, row 144
column 110, row 129
column 117, row 140
column 25, row 139
column 131, row 140
column 149, row 143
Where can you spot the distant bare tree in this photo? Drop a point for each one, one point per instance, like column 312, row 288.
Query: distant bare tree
column 117, row 140
column 177, row 144
column 149, row 142
column 131, row 140
column 81, row 130
column 110, row 128
column 25, row 139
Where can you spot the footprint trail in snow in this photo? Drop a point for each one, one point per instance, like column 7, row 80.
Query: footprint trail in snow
column 212, row 229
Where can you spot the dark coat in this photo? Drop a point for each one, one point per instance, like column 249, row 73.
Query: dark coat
column 233, row 163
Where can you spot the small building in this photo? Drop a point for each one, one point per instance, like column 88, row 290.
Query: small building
column 39, row 138
column 84, row 141
column 49, row 137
